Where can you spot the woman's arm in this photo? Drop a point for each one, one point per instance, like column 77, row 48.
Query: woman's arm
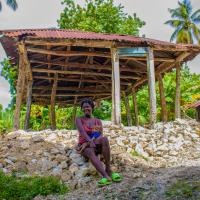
column 81, row 130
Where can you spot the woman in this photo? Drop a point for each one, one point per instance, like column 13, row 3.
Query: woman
column 92, row 142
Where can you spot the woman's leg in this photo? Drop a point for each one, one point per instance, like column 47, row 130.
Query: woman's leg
column 103, row 141
column 89, row 152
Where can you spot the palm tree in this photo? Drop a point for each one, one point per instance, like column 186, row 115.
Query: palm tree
column 11, row 3
column 185, row 23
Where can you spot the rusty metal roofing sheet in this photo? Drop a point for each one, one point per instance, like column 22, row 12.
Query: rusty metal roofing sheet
column 76, row 34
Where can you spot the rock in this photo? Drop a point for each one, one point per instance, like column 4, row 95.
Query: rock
column 37, row 138
column 140, row 150
column 57, row 171
column 73, row 168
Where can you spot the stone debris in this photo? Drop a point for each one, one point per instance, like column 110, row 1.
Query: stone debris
column 53, row 152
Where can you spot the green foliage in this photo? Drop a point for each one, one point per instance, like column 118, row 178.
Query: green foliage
column 185, row 23
column 183, row 190
column 136, row 154
column 6, row 120
column 9, row 72
column 100, row 16
column 27, row 188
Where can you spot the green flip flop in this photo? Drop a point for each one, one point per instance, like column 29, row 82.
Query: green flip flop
column 103, row 182
column 116, row 177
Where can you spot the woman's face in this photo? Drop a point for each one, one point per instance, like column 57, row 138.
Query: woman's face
column 87, row 109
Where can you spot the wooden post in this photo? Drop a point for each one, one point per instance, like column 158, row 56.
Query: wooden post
column 162, row 99
column 128, row 112
column 151, row 84
column 28, row 104
column 116, row 106
column 20, row 90
column 178, row 92
column 74, row 116
column 53, row 98
column 135, row 107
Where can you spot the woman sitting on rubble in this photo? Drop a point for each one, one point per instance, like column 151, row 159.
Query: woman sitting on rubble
column 92, row 142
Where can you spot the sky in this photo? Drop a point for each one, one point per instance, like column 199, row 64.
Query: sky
column 44, row 14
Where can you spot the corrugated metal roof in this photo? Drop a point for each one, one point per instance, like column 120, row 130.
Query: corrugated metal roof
column 194, row 105
column 76, row 34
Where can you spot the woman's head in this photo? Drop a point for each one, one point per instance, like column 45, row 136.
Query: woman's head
column 87, row 106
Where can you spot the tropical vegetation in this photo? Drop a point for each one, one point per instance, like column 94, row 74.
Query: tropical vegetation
column 11, row 3
column 77, row 17
column 185, row 22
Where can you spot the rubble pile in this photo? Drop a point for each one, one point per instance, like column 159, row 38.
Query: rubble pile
column 50, row 152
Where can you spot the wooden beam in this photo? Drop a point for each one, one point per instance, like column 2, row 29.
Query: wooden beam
column 128, row 112
column 20, row 90
column 151, row 85
column 53, row 98
column 70, row 42
column 162, row 68
column 28, row 104
column 116, row 106
column 88, row 53
column 136, row 118
column 162, row 99
column 178, row 92
column 71, row 95
column 75, row 88
column 68, row 53
column 77, row 80
column 88, row 66
column 144, row 58
column 27, row 67
column 81, row 73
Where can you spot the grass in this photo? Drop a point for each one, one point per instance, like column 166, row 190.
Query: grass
column 13, row 188
column 136, row 154
column 184, row 190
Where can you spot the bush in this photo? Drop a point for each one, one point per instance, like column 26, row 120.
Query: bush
column 13, row 188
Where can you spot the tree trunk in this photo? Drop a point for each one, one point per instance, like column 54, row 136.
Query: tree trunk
column 135, row 107
column 53, row 98
column 178, row 92
column 28, row 104
column 162, row 99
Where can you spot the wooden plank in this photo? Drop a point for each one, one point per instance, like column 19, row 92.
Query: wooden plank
column 163, row 67
column 136, row 118
column 71, row 94
column 70, row 42
column 81, row 73
column 151, row 85
column 88, row 53
column 85, row 89
column 123, row 68
column 116, row 114
column 20, row 90
column 68, row 53
column 77, row 80
column 53, row 99
column 28, row 105
column 178, row 92
column 162, row 99
column 27, row 67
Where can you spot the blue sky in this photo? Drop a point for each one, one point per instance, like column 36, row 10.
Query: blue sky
column 44, row 14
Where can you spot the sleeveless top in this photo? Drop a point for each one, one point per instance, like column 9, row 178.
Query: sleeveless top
column 87, row 129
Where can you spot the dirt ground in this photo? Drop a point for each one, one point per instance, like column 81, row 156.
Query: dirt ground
column 152, row 186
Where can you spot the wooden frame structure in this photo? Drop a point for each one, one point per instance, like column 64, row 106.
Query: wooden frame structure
column 64, row 66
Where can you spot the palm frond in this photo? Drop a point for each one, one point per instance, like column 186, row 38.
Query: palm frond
column 174, row 35
column 196, row 32
column 175, row 23
column 12, row 4
column 195, row 14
